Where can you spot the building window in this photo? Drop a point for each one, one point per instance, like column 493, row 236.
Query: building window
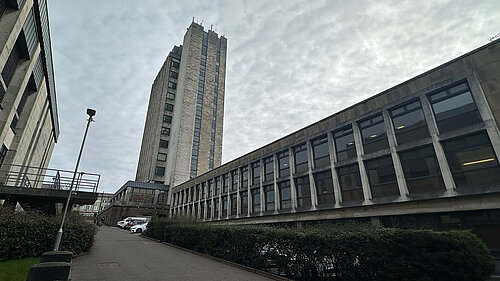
column 320, row 151
column 217, row 186
column 472, row 160
column 159, row 171
column 269, row 196
column 454, row 108
column 283, row 164
column 164, row 143
column 170, row 96
column 209, row 209
column 234, row 204
column 255, row 200
column 204, row 190
column 268, row 169
column 175, row 64
column 3, row 153
column 216, row 208
column 161, row 157
column 225, row 183
column 350, row 183
column 303, row 192
column 165, row 131
column 421, row 170
column 167, row 118
column 256, row 173
column 172, row 85
column 197, row 192
column 409, row 122
column 174, row 74
column 234, row 177
column 285, row 195
column 300, row 153
column 373, row 134
column 324, row 188
column 244, row 202
column 244, row 177
column 344, row 144
column 382, row 177
column 210, row 188
column 169, row 107
column 224, row 206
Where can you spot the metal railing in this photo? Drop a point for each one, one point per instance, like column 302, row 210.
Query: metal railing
column 36, row 177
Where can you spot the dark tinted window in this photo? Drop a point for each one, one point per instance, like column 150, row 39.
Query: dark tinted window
column 350, row 183
column 256, row 173
column 234, row 177
column 344, row 144
column 269, row 196
column 234, row 204
column 303, row 191
column 324, row 188
column 167, row 118
column 216, row 207
column 421, row 170
column 255, row 200
column 409, row 122
column 164, row 143
column 320, row 151
column 284, row 169
column 169, row 107
column 244, row 177
column 225, row 183
column 224, row 206
column 373, row 133
column 285, row 195
column 268, row 169
column 472, row 160
column 454, row 108
column 244, row 202
column 159, row 171
column 300, row 153
column 382, row 177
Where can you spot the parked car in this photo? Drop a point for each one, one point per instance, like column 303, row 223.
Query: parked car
column 139, row 228
column 125, row 222
column 134, row 222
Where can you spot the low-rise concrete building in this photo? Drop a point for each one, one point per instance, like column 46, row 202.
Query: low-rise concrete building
column 93, row 210
column 136, row 199
column 422, row 153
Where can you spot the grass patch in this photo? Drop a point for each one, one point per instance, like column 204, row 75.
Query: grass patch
column 16, row 270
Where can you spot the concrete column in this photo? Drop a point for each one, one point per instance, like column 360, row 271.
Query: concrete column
column 358, row 140
column 312, row 183
column 333, row 159
column 275, row 183
column 441, row 157
column 293, row 190
column 398, row 168
column 261, row 186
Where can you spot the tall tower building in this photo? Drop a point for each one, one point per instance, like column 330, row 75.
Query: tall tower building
column 183, row 131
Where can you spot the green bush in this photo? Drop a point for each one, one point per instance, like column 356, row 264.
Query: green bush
column 29, row 234
column 348, row 253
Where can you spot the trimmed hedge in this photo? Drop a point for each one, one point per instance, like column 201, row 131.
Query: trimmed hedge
column 29, row 234
column 362, row 253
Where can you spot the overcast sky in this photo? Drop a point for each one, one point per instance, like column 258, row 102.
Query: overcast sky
column 289, row 64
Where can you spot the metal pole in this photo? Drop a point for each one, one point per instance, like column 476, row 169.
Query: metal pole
column 60, row 231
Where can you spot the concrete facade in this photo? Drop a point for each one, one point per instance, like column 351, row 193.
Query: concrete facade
column 196, row 122
column 28, row 117
column 458, row 107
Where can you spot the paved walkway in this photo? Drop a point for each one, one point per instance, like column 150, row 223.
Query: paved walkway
column 119, row 255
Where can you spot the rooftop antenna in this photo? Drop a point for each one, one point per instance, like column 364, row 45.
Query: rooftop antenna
column 193, row 20
column 211, row 26
column 494, row 37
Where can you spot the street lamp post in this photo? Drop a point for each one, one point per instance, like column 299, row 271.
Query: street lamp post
column 91, row 114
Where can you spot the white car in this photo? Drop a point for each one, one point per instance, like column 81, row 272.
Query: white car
column 139, row 228
column 126, row 221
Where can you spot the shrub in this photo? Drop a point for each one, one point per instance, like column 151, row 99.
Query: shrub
column 29, row 234
column 345, row 253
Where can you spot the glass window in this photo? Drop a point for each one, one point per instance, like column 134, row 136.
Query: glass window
column 454, row 108
column 256, row 173
column 161, row 157
column 159, row 171
column 169, row 107
column 244, row 177
column 285, row 195
column 255, row 200
column 244, row 202
column 209, row 209
column 409, row 122
column 170, row 96
column 268, row 169
column 472, row 160
column 320, row 151
column 175, row 64
column 324, row 188
column 174, row 74
column 303, row 192
column 217, row 186
column 421, row 170
column 382, row 177
column 350, row 183
column 234, row 177
column 167, row 118
column 172, row 85
column 216, row 207
column 283, row 162
column 234, row 204
column 269, row 196
column 165, row 131
column 373, row 134
column 164, row 143
column 225, row 183
column 300, row 153
column 224, row 206
column 344, row 144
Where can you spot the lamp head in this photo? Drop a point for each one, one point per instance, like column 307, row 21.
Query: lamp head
column 90, row 112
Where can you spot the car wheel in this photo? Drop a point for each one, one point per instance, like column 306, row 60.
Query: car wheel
column 139, row 230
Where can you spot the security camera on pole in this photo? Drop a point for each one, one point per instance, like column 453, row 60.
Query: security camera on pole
column 91, row 114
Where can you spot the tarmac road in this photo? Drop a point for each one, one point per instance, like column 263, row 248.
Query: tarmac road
column 119, row 255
